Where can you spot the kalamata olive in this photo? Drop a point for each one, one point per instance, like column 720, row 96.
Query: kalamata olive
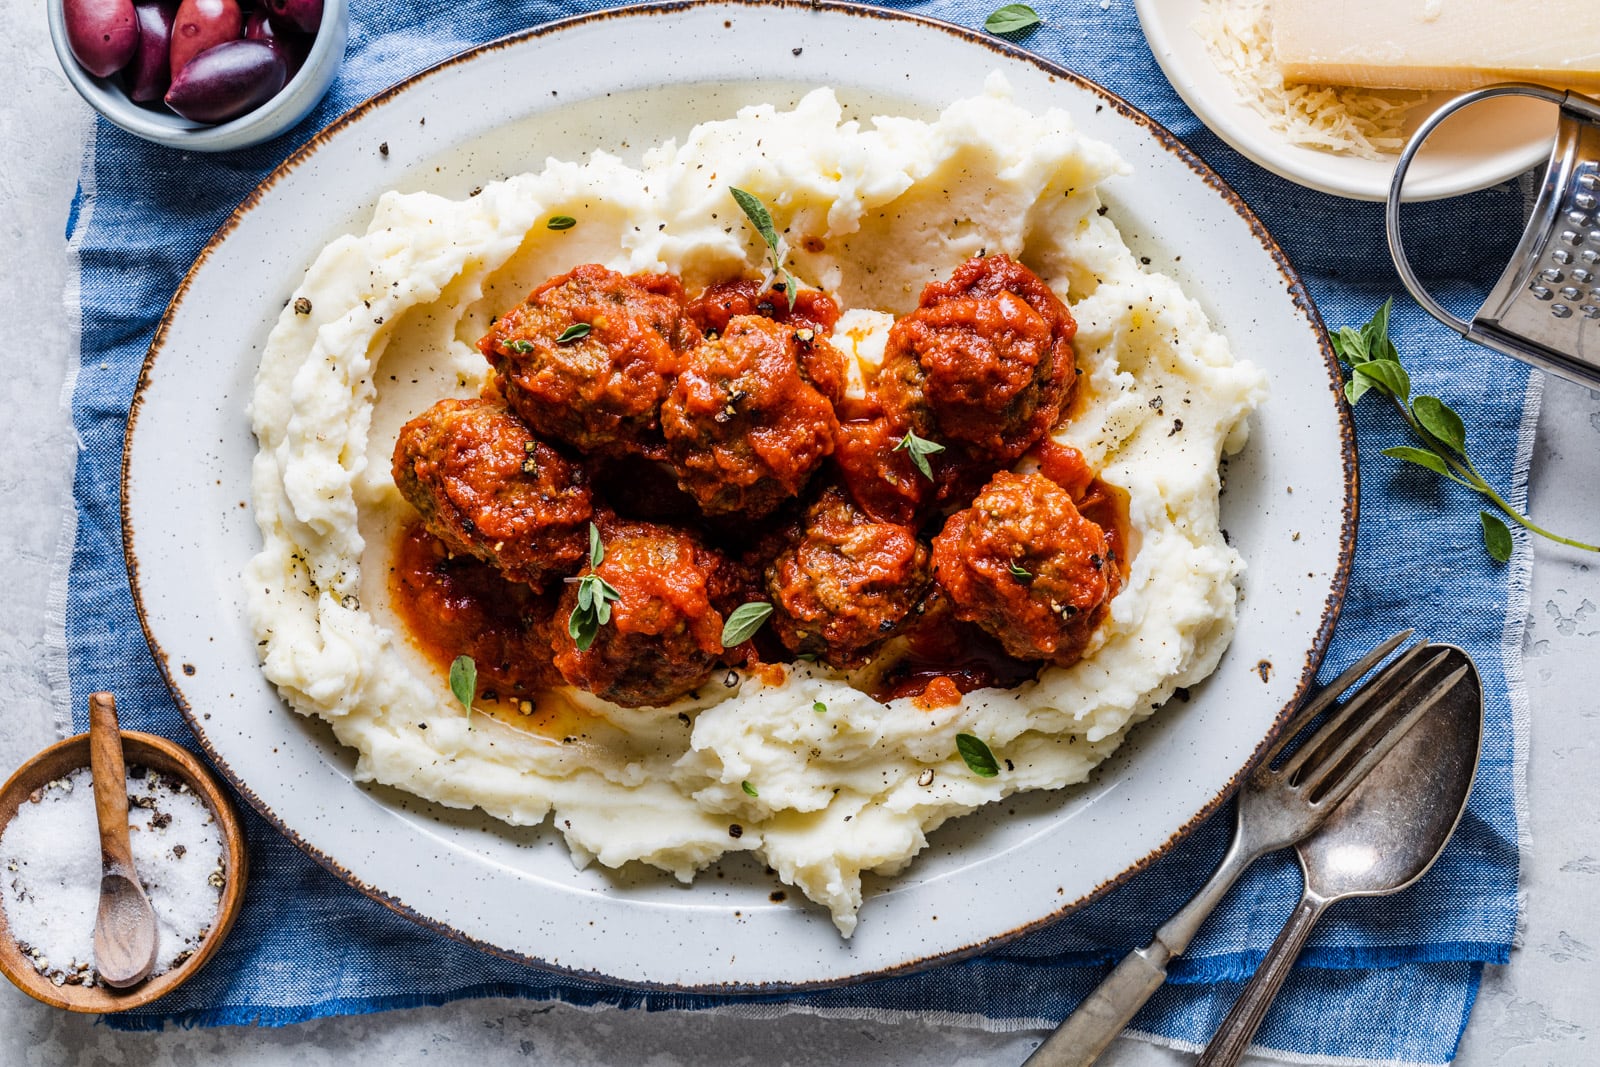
column 149, row 73
column 103, row 34
column 224, row 82
column 302, row 15
column 259, row 27
column 203, row 24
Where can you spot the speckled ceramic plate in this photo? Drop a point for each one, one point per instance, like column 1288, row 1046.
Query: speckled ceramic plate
column 1474, row 150
column 620, row 81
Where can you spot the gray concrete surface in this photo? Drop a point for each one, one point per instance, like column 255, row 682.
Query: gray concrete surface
column 1539, row 1011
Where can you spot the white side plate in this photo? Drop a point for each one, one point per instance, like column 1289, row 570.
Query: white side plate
column 1481, row 147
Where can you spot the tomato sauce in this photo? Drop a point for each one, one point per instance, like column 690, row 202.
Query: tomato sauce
column 712, row 309
column 1104, row 505
column 943, row 653
column 458, row 605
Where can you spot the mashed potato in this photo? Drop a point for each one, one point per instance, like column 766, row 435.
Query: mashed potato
column 384, row 324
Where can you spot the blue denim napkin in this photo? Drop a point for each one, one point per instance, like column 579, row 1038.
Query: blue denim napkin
column 1387, row 980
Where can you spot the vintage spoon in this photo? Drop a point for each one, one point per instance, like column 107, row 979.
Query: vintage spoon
column 1385, row 836
column 125, row 927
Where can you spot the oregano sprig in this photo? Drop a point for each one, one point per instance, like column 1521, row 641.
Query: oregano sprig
column 919, row 448
column 595, row 597
column 1374, row 364
column 761, row 219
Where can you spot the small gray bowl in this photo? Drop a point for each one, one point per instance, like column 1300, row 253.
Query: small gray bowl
column 291, row 104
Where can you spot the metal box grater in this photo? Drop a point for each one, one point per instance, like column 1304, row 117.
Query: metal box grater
column 1545, row 309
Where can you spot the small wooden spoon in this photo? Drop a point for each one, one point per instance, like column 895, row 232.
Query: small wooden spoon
column 125, row 929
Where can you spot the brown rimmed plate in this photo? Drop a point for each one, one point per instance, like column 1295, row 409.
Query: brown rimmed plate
column 634, row 77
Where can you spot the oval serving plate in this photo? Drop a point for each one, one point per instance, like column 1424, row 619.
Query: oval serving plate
column 623, row 81
column 1487, row 145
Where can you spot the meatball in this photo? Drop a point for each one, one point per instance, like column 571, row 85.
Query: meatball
column 846, row 584
column 663, row 636
column 590, row 355
column 1025, row 566
column 883, row 480
column 486, row 487
column 745, row 427
column 813, row 314
column 876, row 466
column 985, row 360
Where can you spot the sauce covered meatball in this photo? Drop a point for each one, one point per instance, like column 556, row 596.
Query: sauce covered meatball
column 588, row 357
column 813, row 314
column 663, row 635
column 846, row 584
column 984, row 361
column 1026, row 567
column 745, row 425
column 881, row 479
column 486, row 487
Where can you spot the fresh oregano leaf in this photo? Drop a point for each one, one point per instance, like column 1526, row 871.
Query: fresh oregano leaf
column 920, row 449
column 1387, row 375
column 757, row 213
column 464, row 682
column 595, row 597
column 605, row 594
column 1420, row 456
column 1376, row 334
column 743, row 622
column 1350, row 345
column 561, row 222
column 1443, row 423
column 1496, row 537
column 582, row 626
column 1356, row 388
column 576, row 332
column 761, row 219
column 748, row 788
column 1013, row 18
column 979, row 759
column 1375, row 364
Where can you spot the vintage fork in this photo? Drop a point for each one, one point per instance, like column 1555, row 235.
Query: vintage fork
column 1278, row 806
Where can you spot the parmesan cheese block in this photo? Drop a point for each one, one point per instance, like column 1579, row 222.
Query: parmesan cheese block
column 1438, row 44
column 1366, row 123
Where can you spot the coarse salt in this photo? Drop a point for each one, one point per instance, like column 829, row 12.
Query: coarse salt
column 50, row 870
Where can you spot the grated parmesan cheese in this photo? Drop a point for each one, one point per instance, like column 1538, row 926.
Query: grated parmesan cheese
column 1359, row 122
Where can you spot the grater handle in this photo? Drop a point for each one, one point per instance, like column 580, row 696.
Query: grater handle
column 1391, row 215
